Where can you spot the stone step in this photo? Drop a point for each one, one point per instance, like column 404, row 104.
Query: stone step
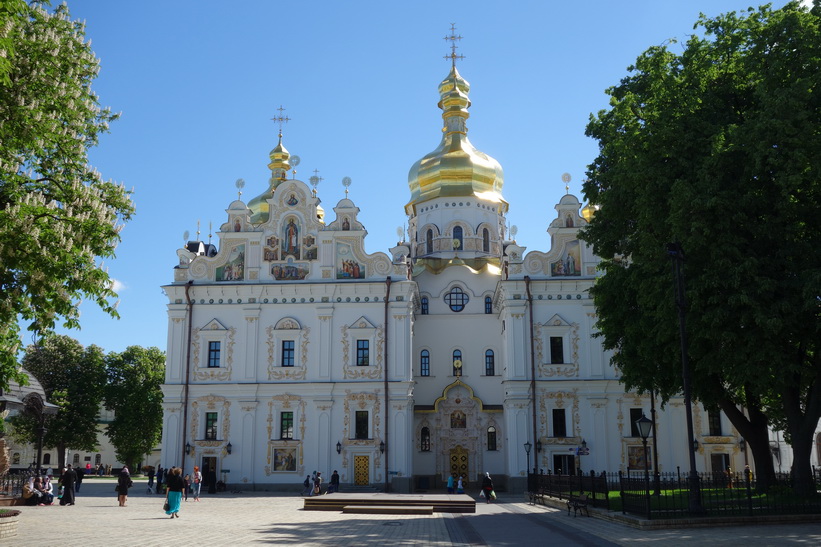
column 388, row 509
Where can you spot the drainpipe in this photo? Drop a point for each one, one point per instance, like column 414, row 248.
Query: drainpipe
column 187, row 371
column 532, row 370
column 387, row 399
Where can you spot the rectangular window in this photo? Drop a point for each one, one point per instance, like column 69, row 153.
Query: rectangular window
column 213, row 354
column 559, row 424
column 556, row 350
column 287, row 353
column 361, row 424
column 424, row 363
column 635, row 414
column 286, row 425
column 714, row 420
column 491, row 438
column 362, row 353
column 211, row 426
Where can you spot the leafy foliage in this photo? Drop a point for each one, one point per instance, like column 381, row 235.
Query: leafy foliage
column 57, row 214
column 134, row 394
column 718, row 148
column 73, row 378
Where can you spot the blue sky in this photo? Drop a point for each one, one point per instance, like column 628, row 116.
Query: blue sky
column 197, row 84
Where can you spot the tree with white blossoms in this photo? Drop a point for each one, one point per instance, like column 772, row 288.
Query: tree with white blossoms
column 58, row 218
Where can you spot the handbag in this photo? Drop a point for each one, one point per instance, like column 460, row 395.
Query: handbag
column 493, row 494
column 165, row 506
column 481, row 493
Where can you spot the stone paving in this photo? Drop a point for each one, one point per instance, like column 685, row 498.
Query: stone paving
column 257, row 518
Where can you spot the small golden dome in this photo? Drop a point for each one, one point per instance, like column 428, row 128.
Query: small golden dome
column 456, row 168
column 588, row 211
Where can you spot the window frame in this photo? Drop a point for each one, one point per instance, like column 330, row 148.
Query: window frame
column 211, row 426
column 714, row 423
column 286, row 425
column 635, row 414
column 491, row 438
column 556, row 358
column 490, row 363
column 362, row 417
column 458, row 235
column 214, row 357
column 363, row 352
column 559, row 416
column 424, row 440
column 424, row 305
column 457, row 299
column 458, row 372
column 287, row 355
column 488, row 305
column 424, row 363
column 429, row 241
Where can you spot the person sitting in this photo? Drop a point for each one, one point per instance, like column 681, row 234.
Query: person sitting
column 47, row 491
column 30, row 494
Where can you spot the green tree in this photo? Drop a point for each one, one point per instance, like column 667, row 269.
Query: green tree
column 717, row 147
column 58, row 217
column 73, row 378
column 134, row 394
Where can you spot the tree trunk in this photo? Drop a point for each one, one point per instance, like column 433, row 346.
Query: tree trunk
column 753, row 427
column 802, row 409
column 803, row 481
column 61, row 456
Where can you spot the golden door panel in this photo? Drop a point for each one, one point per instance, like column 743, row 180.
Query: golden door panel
column 459, row 463
column 361, row 470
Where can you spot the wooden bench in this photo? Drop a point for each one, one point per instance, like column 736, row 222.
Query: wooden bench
column 577, row 503
column 538, row 495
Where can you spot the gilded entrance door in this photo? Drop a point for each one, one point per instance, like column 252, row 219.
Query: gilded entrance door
column 361, row 470
column 459, row 463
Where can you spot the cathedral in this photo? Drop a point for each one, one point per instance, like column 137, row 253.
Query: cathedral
column 292, row 350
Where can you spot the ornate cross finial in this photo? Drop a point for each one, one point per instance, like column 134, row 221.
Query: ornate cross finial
column 453, row 38
column 281, row 119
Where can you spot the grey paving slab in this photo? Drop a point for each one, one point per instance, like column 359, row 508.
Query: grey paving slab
column 265, row 518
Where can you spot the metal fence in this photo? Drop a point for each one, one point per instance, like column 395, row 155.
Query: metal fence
column 566, row 486
column 667, row 495
column 12, row 484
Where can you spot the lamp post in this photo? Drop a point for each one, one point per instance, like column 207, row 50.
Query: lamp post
column 656, row 476
column 676, row 254
column 644, row 426
column 38, row 408
column 528, row 446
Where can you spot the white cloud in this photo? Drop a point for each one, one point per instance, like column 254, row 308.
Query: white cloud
column 117, row 286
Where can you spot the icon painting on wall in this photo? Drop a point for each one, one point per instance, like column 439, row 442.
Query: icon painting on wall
column 290, row 271
column 233, row 269
column 291, row 240
column 346, row 265
column 570, row 263
column 285, row 459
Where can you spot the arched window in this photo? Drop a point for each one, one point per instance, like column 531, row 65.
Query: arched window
column 488, row 305
column 425, row 308
column 491, row 438
column 457, row 362
column 425, row 444
column 429, row 242
column 490, row 363
column 76, row 459
column 486, row 240
column 424, row 363
column 47, row 458
column 456, row 299
column 457, row 238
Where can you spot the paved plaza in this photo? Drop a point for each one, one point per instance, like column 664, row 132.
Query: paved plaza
column 258, row 518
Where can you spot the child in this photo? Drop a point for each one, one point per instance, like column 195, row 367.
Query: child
column 186, row 487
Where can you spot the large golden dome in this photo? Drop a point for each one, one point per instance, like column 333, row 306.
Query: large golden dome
column 279, row 167
column 456, row 167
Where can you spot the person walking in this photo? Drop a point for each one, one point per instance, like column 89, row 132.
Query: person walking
column 308, row 485
column 334, row 482
column 460, row 487
column 160, row 472
column 487, row 487
column 186, row 486
column 123, row 484
column 150, row 479
column 450, row 484
column 69, row 478
column 318, row 484
column 80, row 474
column 197, row 482
column 173, row 496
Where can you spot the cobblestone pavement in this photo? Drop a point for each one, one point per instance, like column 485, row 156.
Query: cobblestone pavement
column 258, row 518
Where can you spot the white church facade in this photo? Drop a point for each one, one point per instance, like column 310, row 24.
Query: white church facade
column 291, row 349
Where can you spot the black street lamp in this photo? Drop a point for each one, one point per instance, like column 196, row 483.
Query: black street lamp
column 528, row 446
column 676, row 254
column 38, row 408
column 644, row 426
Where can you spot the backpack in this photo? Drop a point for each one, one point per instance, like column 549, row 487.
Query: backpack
column 306, row 483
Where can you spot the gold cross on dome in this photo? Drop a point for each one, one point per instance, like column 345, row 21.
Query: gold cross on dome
column 281, row 119
column 453, row 38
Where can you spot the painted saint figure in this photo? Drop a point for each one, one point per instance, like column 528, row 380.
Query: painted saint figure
column 291, row 239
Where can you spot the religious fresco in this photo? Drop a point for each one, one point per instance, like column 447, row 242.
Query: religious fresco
column 635, row 457
column 290, row 240
column 570, row 263
column 285, row 459
column 346, row 266
column 458, row 420
column 309, row 244
column 234, row 268
column 271, row 250
column 290, row 271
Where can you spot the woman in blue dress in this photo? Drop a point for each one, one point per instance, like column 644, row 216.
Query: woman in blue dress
column 173, row 494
